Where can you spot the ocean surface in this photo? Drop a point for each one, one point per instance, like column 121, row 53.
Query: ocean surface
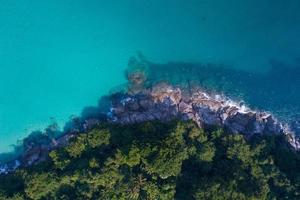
column 56, row 57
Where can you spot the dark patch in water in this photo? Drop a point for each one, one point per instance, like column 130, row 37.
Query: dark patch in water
column 276, row 90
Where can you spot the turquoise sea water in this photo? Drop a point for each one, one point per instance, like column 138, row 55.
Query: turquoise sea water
column 57, row 57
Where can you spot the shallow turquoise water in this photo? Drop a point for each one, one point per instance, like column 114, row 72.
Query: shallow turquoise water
column 58, row 56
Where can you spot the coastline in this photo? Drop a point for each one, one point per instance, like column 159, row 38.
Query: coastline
column 162, row 102
column 151, row 95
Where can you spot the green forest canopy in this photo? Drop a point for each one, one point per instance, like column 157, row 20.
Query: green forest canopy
column 162, row 161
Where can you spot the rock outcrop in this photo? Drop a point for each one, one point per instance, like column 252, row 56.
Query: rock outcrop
column 164, row 102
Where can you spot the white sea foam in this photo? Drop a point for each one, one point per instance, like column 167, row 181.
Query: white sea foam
column 125, row 100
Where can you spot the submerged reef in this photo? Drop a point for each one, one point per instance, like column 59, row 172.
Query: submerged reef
column 276, row 90
column 173, row 91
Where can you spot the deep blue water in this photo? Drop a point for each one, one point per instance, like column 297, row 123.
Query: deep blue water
column 58, row 56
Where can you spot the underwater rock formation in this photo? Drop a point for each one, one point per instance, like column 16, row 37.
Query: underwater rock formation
column 266, row 90
column 136, row 73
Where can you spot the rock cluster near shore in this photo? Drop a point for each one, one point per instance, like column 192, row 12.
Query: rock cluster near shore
column 165, row 102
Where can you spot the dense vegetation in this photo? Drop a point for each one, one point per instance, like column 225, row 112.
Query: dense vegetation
column 164, row 161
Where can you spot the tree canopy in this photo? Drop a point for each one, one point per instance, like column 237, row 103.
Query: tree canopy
column 160, row 161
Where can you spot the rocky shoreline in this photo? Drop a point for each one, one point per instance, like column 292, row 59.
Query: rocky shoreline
column 165, row 102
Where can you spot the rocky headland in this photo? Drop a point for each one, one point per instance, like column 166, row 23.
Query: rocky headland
column 165, row 102
column 161, row 101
